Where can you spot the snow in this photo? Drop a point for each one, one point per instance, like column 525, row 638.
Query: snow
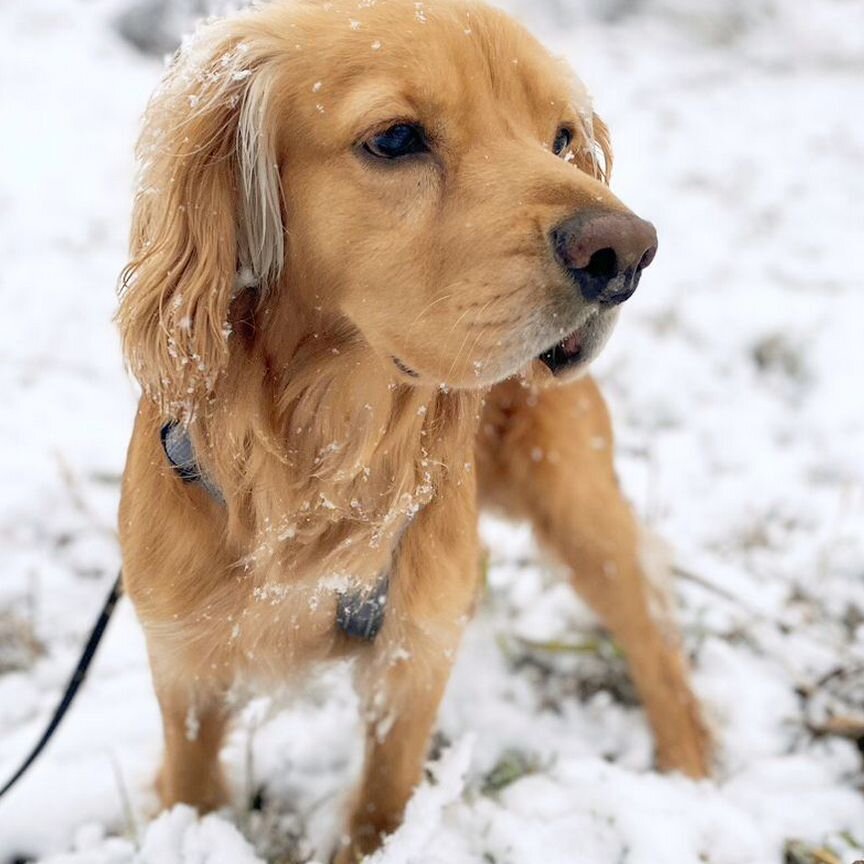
column 734, row 379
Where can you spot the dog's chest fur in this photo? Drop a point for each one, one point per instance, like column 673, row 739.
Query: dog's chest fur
column 319, row 526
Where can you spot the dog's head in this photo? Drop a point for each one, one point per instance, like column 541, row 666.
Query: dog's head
column 423, row 176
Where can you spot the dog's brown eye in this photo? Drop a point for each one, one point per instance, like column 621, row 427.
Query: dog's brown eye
column 403, row 139
column 563, row 140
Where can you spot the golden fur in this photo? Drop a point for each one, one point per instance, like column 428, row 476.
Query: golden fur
column 331, row 331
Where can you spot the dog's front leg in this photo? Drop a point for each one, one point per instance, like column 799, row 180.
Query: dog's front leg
column 194, row 722
column 402, row 675
column 546, row 455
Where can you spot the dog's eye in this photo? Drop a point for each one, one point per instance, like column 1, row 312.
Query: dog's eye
column 403, row 139
column 563, row 140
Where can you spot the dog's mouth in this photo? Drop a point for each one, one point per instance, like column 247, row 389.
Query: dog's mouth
column 569, row 356
column 579, row 347
column 566, row 353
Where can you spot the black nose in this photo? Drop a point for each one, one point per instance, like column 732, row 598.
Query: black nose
column 605, row 253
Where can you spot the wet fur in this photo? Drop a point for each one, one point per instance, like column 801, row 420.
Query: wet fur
column 273, row 279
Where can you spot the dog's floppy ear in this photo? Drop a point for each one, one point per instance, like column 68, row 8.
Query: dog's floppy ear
column 595, row 157
column 603, row 142
column 208, row 213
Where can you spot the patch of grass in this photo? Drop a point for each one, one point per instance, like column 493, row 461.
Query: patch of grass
column 595, row 647
column 798, row 852
column 851, row 841
column 778, row 355
column 511, row 766
column 19, row 647
column 277, row 830
column 579, row 669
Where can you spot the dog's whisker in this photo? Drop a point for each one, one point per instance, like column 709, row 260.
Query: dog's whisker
column 428, row 307
column 458, row 355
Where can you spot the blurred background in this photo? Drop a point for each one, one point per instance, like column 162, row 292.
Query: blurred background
column 735, row 382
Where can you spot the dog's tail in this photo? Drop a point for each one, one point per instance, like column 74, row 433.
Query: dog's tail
column 75, row 681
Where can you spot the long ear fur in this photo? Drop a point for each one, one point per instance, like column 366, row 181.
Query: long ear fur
column 595, row 156
column 207, row 216
column 602, row 142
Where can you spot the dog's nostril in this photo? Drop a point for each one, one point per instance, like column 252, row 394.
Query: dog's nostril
column 603, row 264
column 647, row 258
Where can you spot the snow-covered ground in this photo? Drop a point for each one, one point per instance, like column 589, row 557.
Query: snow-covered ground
column 735, row 383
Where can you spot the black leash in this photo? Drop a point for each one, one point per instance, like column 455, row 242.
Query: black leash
column 75, row 681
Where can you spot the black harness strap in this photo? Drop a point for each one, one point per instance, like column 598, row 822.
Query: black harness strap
column 75, row 681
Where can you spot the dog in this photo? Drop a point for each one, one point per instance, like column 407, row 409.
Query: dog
column 374, row 252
